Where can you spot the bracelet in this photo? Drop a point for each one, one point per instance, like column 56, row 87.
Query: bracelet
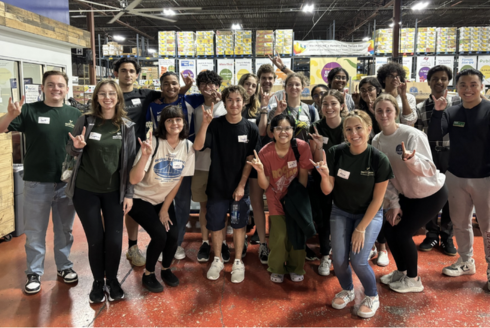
column 264, row 111
column 363, row 231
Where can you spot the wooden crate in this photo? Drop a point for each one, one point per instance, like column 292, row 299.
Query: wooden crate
column 6, row 201
column 7, row 221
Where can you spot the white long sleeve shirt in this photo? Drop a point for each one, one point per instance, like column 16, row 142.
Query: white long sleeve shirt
column 415, row 178
column 411, row 118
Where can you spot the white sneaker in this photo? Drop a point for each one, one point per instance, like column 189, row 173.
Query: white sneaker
column 188, row 225
column 383, row 259
column 160, row 257
column 372, row 303
column 229, row 230
column 180, row 253
column 346, row 295
column 237, row 272
column 460, row 268
column 215, row 269
column 373, row 252
column 392, row 277
column 324, row 268
column 407, row 285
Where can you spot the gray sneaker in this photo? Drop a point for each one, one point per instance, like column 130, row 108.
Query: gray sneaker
column 407, row 285
column 263, row 253
column 460, row 268
column 392, row 277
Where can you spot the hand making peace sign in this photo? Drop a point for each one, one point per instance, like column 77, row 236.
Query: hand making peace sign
column 281, row 106
column 356, row 96
column 317, row 138
column 14, row 109
column 322, row 166
column 78, row 141
column 440, row 103
column 256, row 163
column 276, row 60
column 146, row 148
column 406, row 155
column 265, row 97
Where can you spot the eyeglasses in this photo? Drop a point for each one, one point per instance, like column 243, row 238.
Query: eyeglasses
column 319, row 95
column 368, row 90
column 283, row 128
column 340, row 78
column 391, row 76
column 174, row 121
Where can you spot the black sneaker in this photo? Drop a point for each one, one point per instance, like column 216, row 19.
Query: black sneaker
column 225, row 253
column 310, row 254
column 169, row 278
column 245, row 246
column 255, row 240
column 113, row 288
column 448, row 247
column 69, row 276
column 428, row 244
column 263, row 253
column 151, row 283
column 203, row 254
column 97, row 294
column 33, row 284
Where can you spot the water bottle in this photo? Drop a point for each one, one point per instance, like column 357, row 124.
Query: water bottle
column 235, row 212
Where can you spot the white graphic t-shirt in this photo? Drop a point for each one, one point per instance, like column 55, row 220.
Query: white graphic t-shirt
column 164, row 170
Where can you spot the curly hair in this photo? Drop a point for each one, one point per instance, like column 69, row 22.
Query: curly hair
column 389, row 68
column 334, row 72
column 96, row 109
column 254, row 100
column 123, row 60
column 209, row 77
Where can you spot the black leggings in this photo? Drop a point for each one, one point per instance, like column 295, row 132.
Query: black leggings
column 162, row 241
column 416, row 213
column 104, row 240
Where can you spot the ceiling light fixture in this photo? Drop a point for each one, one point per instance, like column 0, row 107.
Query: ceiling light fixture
column 118, row 38
column 420, row 5
column 152, row 51
column 168, row 12
column 236, row 27
column 308, row 8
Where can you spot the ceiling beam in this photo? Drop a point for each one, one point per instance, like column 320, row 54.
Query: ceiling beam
column 355, row 28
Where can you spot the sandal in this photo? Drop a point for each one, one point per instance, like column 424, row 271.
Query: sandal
column 296, row 277
column 277, row 278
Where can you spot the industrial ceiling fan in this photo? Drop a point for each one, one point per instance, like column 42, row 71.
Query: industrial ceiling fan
column 131, row 9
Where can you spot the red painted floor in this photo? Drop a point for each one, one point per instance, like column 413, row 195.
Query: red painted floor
column 446, row 301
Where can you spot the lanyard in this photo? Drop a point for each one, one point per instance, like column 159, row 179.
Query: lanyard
column 299, row 112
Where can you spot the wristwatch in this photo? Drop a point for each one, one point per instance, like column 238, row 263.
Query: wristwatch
column 283, row 68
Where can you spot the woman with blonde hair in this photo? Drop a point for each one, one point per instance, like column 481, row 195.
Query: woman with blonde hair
column 414, row 196
column 358, row 175
column 103, row 142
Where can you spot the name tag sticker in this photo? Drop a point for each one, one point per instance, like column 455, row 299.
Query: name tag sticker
column 458, row 124
column 303, row 118
column 343, row 174
column 177, row 165
column 325, row 140
column 292, row 164
column 95, row 136
column 252, row 120
column 43, row 120
column 242, row 138
column 136, row 101
column 117, row 136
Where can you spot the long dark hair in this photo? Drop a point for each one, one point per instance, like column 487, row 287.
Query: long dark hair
column 171, row 112
column 364, row 106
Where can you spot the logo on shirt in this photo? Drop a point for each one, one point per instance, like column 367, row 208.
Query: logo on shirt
column 70, row 124
column 458, row 124
column 168, row 169
column 399, row 149
column 368, row 172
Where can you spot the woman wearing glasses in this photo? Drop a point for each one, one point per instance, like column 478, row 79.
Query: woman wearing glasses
column 316, row 94
column 391, row 76
column 277, row 167
column 337, row 79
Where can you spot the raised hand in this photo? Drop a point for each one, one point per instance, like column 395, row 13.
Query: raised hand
column 276, row 60
column 322, row 166
column 356, row 96
column 265, row 97
column 344, row 106
column 402, row 89
column 440, row 103
column 146, row 149
column 207, row 114
column 78, row 141
column 317, row 138
column 281, row 106
column 188, row 80
column 256, row 163
column 406, row 155
column 14, row 109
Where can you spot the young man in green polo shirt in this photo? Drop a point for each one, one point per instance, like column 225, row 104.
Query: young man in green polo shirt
column 45, row 125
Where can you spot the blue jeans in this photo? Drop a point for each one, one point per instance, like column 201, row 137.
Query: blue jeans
column 182, row 203
column 342, row 225
column 39, row 199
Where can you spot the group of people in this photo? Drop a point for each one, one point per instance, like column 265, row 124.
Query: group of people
column 352, row 168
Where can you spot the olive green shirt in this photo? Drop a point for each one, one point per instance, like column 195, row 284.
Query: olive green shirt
column 99, row 170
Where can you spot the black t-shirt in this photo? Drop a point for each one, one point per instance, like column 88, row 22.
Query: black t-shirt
column 230, row 145
column 355, row 177
column 469, row 131
column 331, row 137
column 136, row 104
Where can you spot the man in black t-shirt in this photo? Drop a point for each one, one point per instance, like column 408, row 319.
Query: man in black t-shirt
column 232, row 140
column 136, row 103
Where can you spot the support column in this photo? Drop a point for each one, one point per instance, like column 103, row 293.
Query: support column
column 91, row 28
column 397, row 7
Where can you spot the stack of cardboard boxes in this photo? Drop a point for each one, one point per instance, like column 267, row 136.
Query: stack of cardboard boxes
column 384, row 41
column 264, row 42
column 243, row 43
column 446, row 39
column 166, row 43
column 407, row 40
column 284, row 42
column 474, row 39
column 224, row 42
column 186, row 45
column 205, row 43
column 426, row 39
column 112, row 49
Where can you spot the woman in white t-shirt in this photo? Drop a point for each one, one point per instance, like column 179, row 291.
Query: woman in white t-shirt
column 157, row 173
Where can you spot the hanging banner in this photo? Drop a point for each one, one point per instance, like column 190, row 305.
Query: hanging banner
column 446, row 61
column 226, row 69
column 205, row 65
column 380, row 61
column 465, row 62
column 484, row 68
column 424, row 64
column 166, row 65
column 242, row 66
column 319, row 68
column 332, row 48
column 407, row 66
column 187, row 67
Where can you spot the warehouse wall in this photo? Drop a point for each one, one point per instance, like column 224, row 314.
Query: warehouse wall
column 54, row 9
